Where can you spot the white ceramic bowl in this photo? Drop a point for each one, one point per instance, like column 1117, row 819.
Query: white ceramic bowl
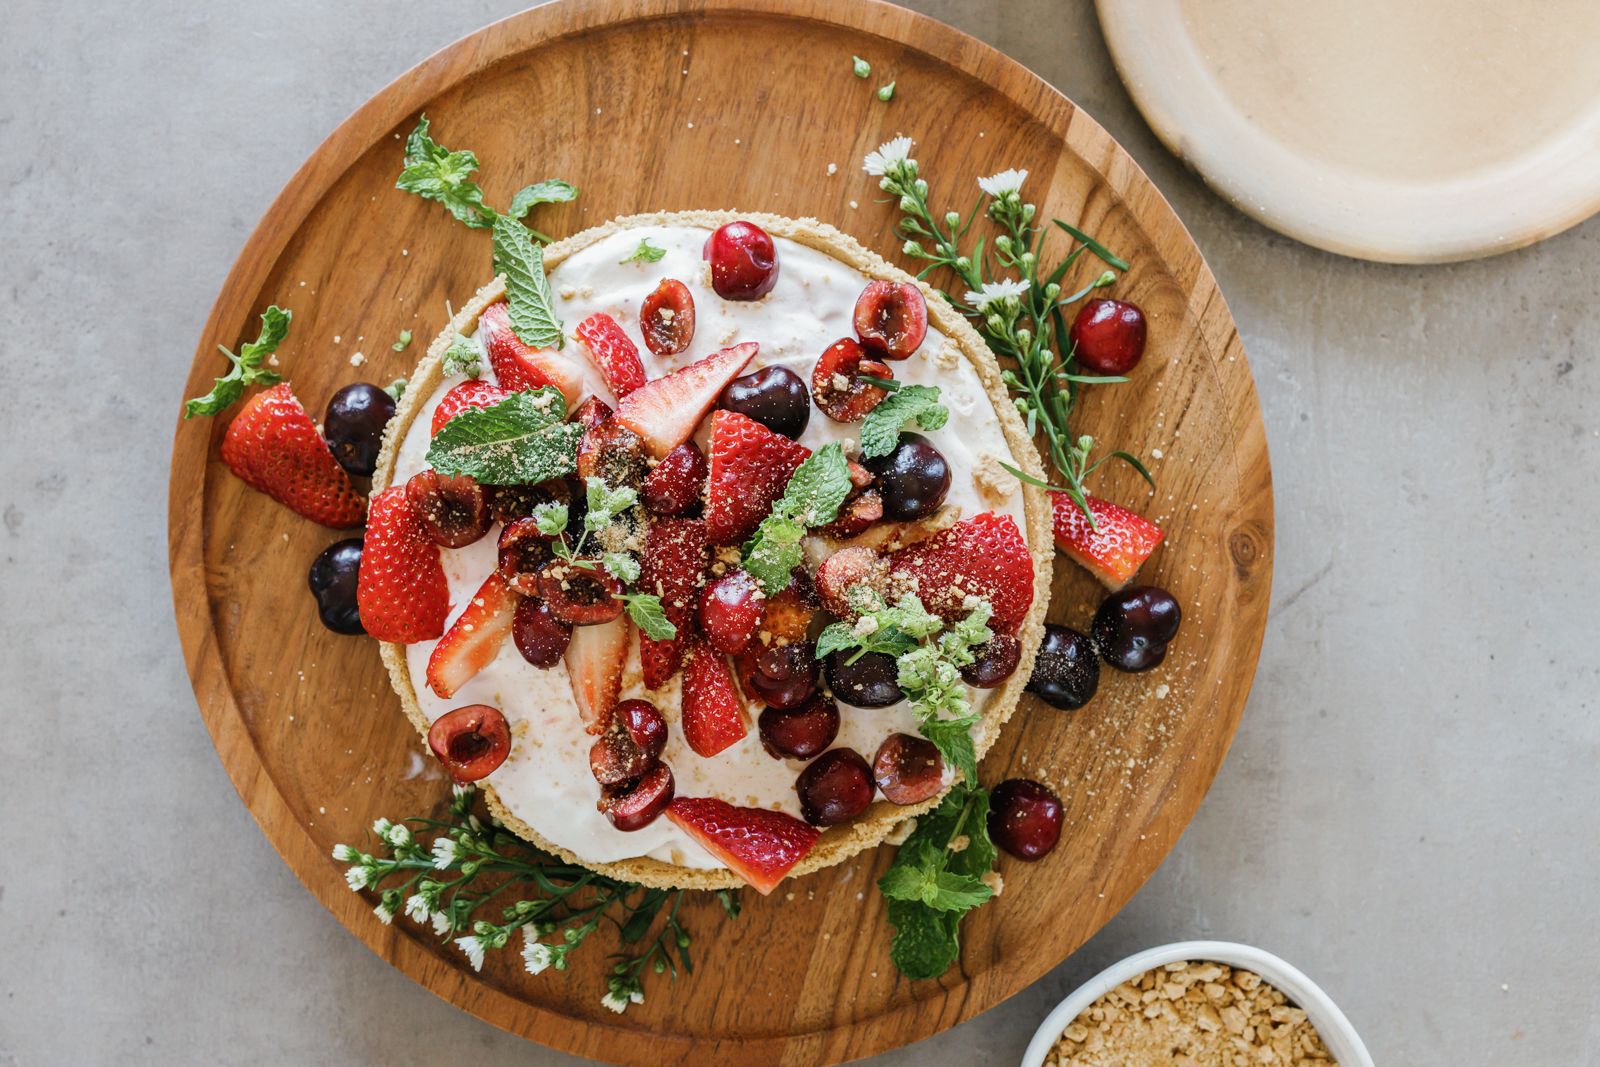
column 1337, row 1033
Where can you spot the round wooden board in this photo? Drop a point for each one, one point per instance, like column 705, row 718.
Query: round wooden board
column 666, row 105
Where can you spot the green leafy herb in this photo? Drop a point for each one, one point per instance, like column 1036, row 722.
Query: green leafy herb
column 397, row 388
column 529, row 301
column 464, row 877
column 436, row 173
column 622, row 565
column 603, row 506
column 549, row 191
column 937, row 877
column 645, row 253
column 403, row 343
column 646, row 612
column 550, row 518
column 860, row 67
column 812, row 498
column 604, row 503
column 519, row 441
column 880, row 430
column 886, row 92
column 249, row 366
column 462, row 357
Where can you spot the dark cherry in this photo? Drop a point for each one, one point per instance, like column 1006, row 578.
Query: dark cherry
column 835, row 787
column 997, row 660
column 1108, row 336
column 508, row 503
column 913, row 479
column 353, row 425
column 522, row 553
column 333, row 583
column 667, row 318
column 582, row 596
column 784, row 676
column 869, row 682
column 799, row 733
column 611, row 451
column 470, row 741
column 677, row 483
column 908, row 769
column 775, row 397
column 635, row 805
column 539, row 636
column 744, row 261
column 631, row 745
column 1024, row 818
column 732, row 609
column 891, row 318
column 1065, row 672
column 836, row 384
column 1132, row 627
column 453, row 508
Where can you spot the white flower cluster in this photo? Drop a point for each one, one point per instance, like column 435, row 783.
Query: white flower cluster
column 1007, row 291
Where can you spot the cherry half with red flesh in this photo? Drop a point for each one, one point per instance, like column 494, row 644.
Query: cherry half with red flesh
column 835, row 787
column 453, row 508
column 610, row 451
column 891, row 318
column 836, row 385
column 667, row 318
column 332, row 580
column 744, row 261
column 508, row 503
column 1133, row 626
column 799, row 733
column 631, row 745
column 732, row 609
column 1066, row 672
column 776, row 397
column 634, row 805
column 522, row 553
column 1024, row 818
column 997, row 660
column 677, row 483
column 1108, row 336
column 869, row 681
column 908, row 769
column 470, row 741
column 353, row 425
column 582, row 596
column 913, row 479
column 784, row 676
column 539, row 635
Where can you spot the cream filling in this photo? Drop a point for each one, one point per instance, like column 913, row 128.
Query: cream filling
column 546, row 780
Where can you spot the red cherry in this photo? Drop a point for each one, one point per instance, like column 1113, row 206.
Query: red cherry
column 523, row 552
column 891, row 319
column 836, row 387
column 799, row 733
column 632, row 744
column 835, row 787
column 633, row 806
column 1108, row 336
column 539, row 636
column 470, row 741
column 731, row 611
column 1024, row 818
column 667, row 318
column 784, row 676
column 677, row 483
column 744, row 261
column 908, row 769
column 996, row 661
column 453, row 508
column 583, row 596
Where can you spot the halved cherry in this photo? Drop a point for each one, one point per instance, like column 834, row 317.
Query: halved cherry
column 522, row 554
column 856, row 515
column 667, row 318
column 891, row 319
column 583, row 596
column 677, row 483
column 631, row 745
column 744, row 261
column 908, row 769
column 790, row 612
column 837, row 387
column 635, row 805
column 453, row 508
column 470, row 741
column 611, row 451
column 508, row 503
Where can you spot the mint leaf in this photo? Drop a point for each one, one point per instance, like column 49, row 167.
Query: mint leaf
column 248, row 366
column 925, row 942
column 433, row 172
column 519, row 441
column 462, row 357
column 936, row 878
column 645, row 253
column 818, row 487
column 529, row 301
column 941, row 890
column 645, row 611
column 836, row 637
column 880, row 430
column 549, row 191
column 774, row 552
column 953, row 739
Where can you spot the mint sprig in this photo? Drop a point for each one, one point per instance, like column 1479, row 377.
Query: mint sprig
column 936, row 879
column 603, row 506
column 249, row 366
column 530, row 303
column 434, row 172
column 813, row 497
column 880, row 430
column 645, row 253
column 522, row 440
column 462, row 357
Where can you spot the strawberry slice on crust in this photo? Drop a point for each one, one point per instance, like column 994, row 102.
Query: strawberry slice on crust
column 984, row 556
column 1117, row 546
column 274, row 447
column 519, row 366
column 675, row 560
column 595, row 658
column 750, row 469
column 667, row 410
column 401, row 590
column 474, row 639
column 713, row 715
column 473, row 394
column 759, row 845
column 613, row 352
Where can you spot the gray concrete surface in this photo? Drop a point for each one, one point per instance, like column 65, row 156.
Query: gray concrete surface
column 1412, row 808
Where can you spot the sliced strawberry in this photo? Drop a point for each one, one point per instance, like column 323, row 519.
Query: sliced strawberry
column 473, row 394
column 595, row 658
column 666, row 411
column 1117, row 546
column 401, row 590
column 613, row 352
column 474, row 639
column 759, row 845
column 713, row 715
column 750, row 469
column 677, row 483
column 984, row 556
column 273, row 446
column 659, row 660
column 675, row 560
column 519, row 366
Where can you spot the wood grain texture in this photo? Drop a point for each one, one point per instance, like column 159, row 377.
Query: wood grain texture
column 305, row 722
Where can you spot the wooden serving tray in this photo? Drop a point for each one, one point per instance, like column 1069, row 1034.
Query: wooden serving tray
column 677, row 104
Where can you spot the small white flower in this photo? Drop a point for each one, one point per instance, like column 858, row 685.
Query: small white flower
column 472, row 820
column 536, row 955
column 381, row 828
column 1007, row 181
column 474, row 950
column 416, row 908
column 383, row 913
column 398, row 836
column 637, row 996
column 444, row 853
column 888, row 157
column 441, row 923
column 459, row 791
column 616, row 1002
column 356, row 877
column 345, row 854
column 1008, row 289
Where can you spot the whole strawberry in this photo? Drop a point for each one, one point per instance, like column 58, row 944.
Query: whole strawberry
column 401, row 591
column 273, row 446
